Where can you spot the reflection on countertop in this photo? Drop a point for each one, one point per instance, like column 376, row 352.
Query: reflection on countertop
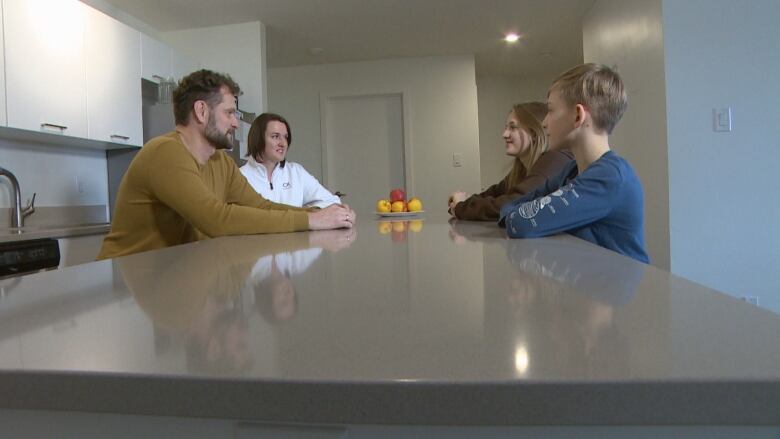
column 451, row 306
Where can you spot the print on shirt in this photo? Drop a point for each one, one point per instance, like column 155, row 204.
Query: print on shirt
column 530, row 209
column 286, row 185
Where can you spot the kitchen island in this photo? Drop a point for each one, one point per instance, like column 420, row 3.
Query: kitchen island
column 437, row 328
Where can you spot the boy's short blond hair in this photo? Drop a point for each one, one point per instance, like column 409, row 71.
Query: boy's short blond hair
column 597, row 87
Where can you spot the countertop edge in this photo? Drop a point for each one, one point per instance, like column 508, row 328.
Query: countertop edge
column 399, row 403
column 59, row 232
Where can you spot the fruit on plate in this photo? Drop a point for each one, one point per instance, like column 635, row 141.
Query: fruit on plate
column 397, row 194
column 414, row 205
column 398, row 206
column 383, row 206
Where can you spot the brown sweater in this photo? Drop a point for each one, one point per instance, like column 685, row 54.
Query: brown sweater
column 486, row 206
column 166, row 198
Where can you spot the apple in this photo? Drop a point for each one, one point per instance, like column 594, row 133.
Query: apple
column 399, row 226
column 414, row 205
column 383, row 206
column 398, row 206
column 384, row 227
column 415, row 225
column 397, row 194
column 399, row 231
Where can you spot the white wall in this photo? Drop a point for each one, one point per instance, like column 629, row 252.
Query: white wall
column 443, row 114
column 724, row 212
column 236, row 49
column 629, row 34
column 52, row 172
column 496, row 96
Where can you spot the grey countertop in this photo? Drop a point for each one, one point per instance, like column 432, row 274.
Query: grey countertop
column 407, row 322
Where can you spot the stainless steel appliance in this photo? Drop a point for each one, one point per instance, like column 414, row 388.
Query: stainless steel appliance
column 20, row 257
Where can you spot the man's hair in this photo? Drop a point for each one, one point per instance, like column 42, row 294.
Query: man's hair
column 597, row 87
column 202, row 85
column 256, row 137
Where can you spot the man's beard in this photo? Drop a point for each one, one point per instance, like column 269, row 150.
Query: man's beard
column 215, row 138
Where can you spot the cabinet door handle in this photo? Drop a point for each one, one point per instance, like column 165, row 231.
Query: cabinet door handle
column 120, row 137
column 53, row 125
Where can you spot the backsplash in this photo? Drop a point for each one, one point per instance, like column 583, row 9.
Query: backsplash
column 58, row 175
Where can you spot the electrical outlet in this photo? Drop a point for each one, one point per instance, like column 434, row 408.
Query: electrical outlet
column 82, row 184
column 721, row 119
column 457, row 160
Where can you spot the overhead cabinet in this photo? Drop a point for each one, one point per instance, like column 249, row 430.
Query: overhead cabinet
column 74, row 73
column 3, row 120
column 159, row 61
column 113, row 84
column 45, row 66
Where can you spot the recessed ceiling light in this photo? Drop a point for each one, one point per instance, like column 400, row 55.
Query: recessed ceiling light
column 511, row 37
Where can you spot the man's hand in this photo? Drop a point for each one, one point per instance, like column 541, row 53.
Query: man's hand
column 335, row 216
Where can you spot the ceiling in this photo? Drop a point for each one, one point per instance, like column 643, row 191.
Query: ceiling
column 361, row 30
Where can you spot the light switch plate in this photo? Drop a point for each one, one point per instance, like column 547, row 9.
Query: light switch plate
column 457, row 160
column 721, row 119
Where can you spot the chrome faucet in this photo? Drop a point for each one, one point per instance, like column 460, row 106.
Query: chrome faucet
column 19, row 212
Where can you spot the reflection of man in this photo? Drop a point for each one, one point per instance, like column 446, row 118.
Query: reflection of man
column 181, row 187
column 187, row 293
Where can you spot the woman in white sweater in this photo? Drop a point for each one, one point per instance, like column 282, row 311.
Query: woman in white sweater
column 269, row 172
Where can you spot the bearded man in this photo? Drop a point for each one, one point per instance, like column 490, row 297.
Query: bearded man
column 182, row 187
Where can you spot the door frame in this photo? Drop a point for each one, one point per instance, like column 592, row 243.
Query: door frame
column 326, row 97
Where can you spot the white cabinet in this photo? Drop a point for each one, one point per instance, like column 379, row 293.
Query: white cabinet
column 3, row 120
column 79, row 249
column 44, row 65
column 155, row 59
column 113, row 80
column 159, row 60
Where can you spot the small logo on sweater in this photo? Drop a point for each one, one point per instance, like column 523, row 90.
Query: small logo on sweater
column 286, row 185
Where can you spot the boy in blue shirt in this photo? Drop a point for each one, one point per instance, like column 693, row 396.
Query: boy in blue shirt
column 600, row 200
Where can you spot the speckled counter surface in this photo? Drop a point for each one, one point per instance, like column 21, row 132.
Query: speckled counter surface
column 407, row 322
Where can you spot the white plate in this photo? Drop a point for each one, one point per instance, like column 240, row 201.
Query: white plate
column 399, row 214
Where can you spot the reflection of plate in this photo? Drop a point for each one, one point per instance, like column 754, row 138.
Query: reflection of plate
column 399, row 214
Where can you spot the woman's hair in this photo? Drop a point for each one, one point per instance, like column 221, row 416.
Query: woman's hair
column 530, row 116
column 256, row 137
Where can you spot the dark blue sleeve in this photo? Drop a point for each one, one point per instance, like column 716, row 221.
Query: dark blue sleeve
column 550, row 184
column 586, row 199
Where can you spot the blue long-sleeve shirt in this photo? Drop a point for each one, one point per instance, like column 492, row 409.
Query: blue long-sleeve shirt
column 603, row 205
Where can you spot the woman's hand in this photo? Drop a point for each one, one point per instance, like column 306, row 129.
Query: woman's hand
column 332, row 240
column 335, row 216
column 455, row 198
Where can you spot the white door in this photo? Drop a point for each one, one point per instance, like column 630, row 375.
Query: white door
column 363, row 147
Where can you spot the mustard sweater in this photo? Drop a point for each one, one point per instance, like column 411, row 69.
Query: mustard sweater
column 166, row 198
